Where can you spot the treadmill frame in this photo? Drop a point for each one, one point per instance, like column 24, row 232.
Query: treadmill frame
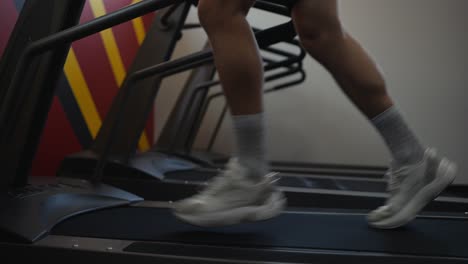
column 57, row 249
column 78, row 250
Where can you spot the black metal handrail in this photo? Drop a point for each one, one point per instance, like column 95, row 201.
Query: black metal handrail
column 15, row 99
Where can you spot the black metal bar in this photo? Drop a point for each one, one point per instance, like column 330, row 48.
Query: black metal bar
column 288, row 84
column 186, row 67
column 101, row 23
column 158, row 47
column 286, row 3
column 170, row 140
column 281, row 33
column 280, row 52
column 196, row 59
column 38, row 19
column 267, row 60
column 15, row 101
column 278, row 8
column 214, row 135
column 165, row 18
column 192, row 26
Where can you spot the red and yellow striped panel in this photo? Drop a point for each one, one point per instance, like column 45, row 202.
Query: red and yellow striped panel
column 95, row 68
column 97, row 65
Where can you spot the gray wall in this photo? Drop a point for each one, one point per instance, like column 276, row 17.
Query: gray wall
column 420, row 46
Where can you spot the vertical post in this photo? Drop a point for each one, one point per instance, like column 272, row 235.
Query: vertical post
column 38, row 19
column 157, row 48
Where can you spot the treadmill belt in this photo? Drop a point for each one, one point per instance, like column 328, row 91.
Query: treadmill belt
column 292, row 230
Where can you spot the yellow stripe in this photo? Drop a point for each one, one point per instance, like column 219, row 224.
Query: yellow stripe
column 139, row 27
column 81, row 92
column 110, row 44
column 113, row 54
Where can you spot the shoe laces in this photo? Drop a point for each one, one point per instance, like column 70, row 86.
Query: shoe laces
column 397, row 176
column 233, row 172
column 395, row 179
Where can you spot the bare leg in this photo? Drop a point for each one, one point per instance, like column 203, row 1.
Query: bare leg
column 239, row 65
column 237, row 57
column 241, row 193
column 417, row 174
column 325, row 39
column 237, row 197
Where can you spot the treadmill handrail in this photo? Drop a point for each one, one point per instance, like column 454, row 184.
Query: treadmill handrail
column 15, row 101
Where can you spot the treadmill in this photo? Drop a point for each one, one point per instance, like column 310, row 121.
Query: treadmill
column 165, row 162
column 76, row 220
column 171, row 160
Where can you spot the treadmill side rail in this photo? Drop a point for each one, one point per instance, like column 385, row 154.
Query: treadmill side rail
column 31, row 212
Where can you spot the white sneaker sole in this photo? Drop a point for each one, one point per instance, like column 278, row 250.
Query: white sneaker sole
column 445, row 176
column 272, row 208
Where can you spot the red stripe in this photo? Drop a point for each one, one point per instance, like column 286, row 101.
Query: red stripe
column 87, row 13
column 115, row 5
column 128, row 45
column 8, row 17
column 96, row 67
column 148, row 20
column 58, row 140
column 124, row 34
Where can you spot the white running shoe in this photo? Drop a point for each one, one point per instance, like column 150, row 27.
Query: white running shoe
column 232, row 198
column 411, row 189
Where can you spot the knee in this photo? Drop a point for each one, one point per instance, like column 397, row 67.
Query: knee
column 209, row 13
column 215, row 14
column 318, row 31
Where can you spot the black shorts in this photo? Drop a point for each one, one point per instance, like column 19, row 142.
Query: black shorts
column 292, row 3
column 289, row 3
